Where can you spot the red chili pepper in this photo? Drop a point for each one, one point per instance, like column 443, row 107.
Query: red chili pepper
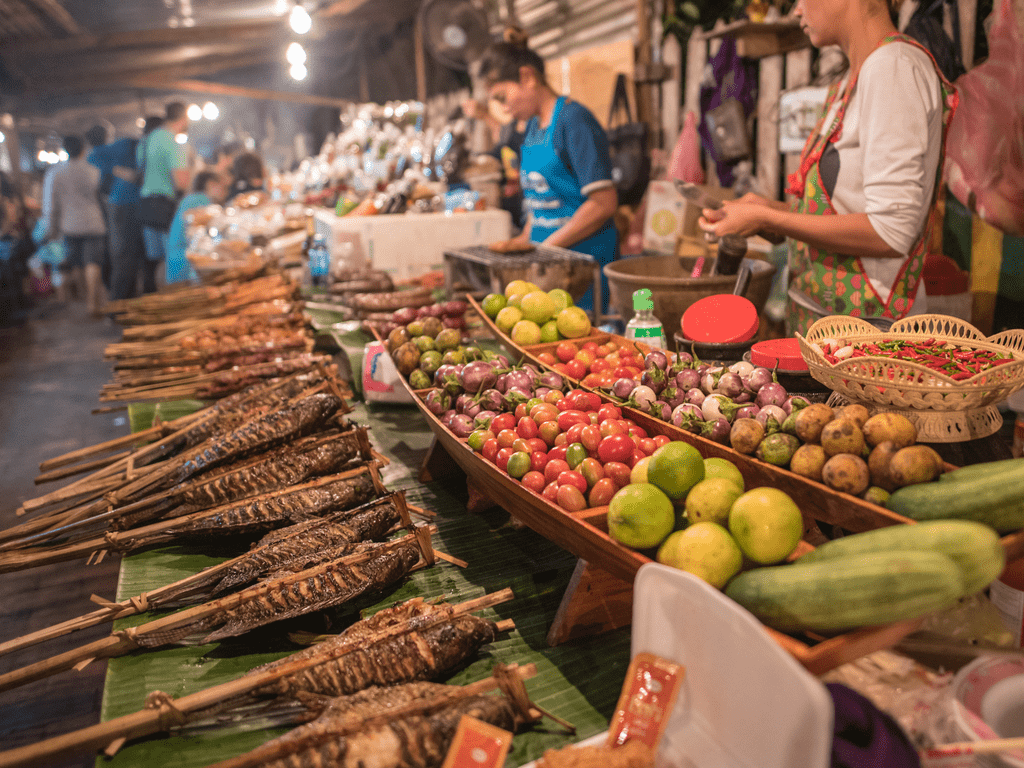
column 927, row 342
column 1002, row 360
column 961, row 375
column 859, row 353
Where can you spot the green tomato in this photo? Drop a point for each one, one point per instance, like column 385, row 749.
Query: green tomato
column 575, row 454
column 478, row 437
column 518, row 464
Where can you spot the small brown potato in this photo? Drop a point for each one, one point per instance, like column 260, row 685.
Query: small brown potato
column 878, row 465
column 746, row 435
column 876, row 495
column 854, row 412
column 847, row 473
column 811, row 420
column 842, row 436
column 940, row 463
column 808, row 461
column 890, row 426
column 913, row 464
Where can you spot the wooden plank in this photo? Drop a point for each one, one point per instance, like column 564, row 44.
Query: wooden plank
column 594, row 602
column 220, row 89
column 696, row 59
column 798, row 74
column 968, row 10
column 768, row 92
column 421, row 61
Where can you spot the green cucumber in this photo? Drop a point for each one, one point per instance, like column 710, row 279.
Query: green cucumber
column 973, row 546
column 985, row 469
column 855, row 591
column 937, row 501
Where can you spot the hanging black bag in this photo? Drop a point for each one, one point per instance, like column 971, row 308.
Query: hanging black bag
column 631, row 167
column 155, row 211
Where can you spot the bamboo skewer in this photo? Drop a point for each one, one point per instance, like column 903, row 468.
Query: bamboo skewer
column 77, row 469
column 984, row 747
column 129, row 640
column 162, row 712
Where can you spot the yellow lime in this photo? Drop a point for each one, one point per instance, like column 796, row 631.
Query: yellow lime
column 705, row 550
column 507, row 318
column 711, row 499
column 549, row 332
column 525, row 332
column 716, row 467
column 538, row 307
column 640, row 516
column 492, row 304
column 639, row 472
column 767, row 525
column 562, row 298
column 573, row 323
column 516, row 286
column 675, row 468
column 516, row 300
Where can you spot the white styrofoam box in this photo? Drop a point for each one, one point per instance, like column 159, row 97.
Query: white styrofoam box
column 408, row 245
column 663, row 220
column 744, row 702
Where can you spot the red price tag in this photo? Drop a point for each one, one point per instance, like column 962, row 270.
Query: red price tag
column 477, row 745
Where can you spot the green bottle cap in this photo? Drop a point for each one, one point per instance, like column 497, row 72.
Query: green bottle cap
column 642, row 300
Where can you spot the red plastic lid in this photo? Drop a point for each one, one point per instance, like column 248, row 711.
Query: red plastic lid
column 720, row 319
column 783, row 352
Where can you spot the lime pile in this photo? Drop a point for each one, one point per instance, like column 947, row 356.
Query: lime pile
column 529, row 315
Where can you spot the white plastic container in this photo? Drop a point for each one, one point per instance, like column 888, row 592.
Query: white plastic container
column 381, row 380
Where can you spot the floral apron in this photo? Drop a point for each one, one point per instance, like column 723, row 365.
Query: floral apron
column 838, row 283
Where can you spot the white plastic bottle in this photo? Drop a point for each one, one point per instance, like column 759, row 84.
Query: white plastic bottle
column 644, row 326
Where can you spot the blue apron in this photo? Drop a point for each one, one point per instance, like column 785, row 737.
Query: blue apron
column 552, row 194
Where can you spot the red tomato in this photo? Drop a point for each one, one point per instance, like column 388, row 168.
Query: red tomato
column 631, row 436
column 521, row 410
column 627, row 372
column 567, row 418
column 520, row 445
column 600, row 365
column 627, row 423
column 554, row 397
column 588, row 401
column 572, row 477
column 547, row 358
column 534, row 481
column 554, row 468
column 660, row 440
column 607, row 379
column 573, row 433
column 609, row 411
column 610, row 427
column 490, row 449
column 566, row 351
column 590, row 436
column 638, row 431
column 536, row 444
column 590, row 346
column 548, row 431
column 560, row 438
column 586, row 357
column 543, row 412
column 526, row 428
column 591, row 470
column 615, row 448
column 575, row 369
column 637, row 455
column 593, row 380
column 602, row 492
column 502, row 421
column 501, row 460
column 550, row 492
column 558, row 452
column 570, row 498
column 618, row 472
column 506, row 437
column 603, row 350
column 560, row 368
column 538, row 460
column 648, row 446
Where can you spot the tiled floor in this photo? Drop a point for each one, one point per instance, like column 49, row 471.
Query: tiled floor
column 51, row 370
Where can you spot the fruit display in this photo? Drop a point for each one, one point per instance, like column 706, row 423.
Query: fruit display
column 529, row 315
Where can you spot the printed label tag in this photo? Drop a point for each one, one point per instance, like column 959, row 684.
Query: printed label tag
column 477, row 745
column 648, row 693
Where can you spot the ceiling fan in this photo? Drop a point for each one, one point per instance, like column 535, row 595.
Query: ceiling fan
column 455, row 32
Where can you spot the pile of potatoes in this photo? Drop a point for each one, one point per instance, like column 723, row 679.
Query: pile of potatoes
column 850, row 452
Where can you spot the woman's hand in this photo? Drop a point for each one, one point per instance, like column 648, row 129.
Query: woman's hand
column 745, row 216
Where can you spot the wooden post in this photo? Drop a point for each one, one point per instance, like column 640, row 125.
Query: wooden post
column 421, row 61
column 364, row 76
column 968, row 10
column 671, row 90
column 768, row 92
column 798, row 74
column 645, row 90
column 10, row 131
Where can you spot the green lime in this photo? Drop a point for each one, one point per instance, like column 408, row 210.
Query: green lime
column 640, row 516
column 675, row 468
column 549, row 332
column 493, row 303
column 716, row 467
column 562, row 297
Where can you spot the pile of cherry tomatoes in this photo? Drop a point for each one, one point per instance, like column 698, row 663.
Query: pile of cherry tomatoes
column 595, row 365
column 574, row 449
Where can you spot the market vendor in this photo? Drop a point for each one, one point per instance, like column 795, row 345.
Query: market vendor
column 565, row 167
column 869, row 173
column 209, row 187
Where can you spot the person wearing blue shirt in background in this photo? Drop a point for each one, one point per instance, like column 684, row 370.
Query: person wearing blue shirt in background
column 210, row 187
column 565, row 165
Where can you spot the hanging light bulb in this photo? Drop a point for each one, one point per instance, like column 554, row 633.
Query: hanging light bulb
column 181, row 138
column 295, row 54
column 62, row 156
column 210, row 111
column 298, row 71
column 3, row 138
column 195, row 112
column 299, row 20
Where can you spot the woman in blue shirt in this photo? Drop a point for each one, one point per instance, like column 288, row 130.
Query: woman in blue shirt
column 565, row 166
column 210, row 187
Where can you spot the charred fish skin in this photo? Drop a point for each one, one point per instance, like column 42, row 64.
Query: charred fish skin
column 410, row 742
column 325, row 589
column 413, row 656
column 309, row 544
column 286, row 422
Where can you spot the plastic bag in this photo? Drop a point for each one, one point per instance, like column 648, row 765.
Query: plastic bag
column 985, row 144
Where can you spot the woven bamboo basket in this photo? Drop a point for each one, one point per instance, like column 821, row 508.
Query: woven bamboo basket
column 942, row 409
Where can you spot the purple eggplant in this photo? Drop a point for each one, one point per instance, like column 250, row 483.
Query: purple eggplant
column 442, row 372
column 795, row 403
column 746, row 412
column 717, row 430
column 656, row 359
column 683, row 359
column 641, row 397
column 461, row 425
column 478, row 376
column 447, row 416
column 659, row 409
column 501, row 383
column 771, row 394
column 743, row 397
column 742, row 368
column 438, row 401
column 519, row 378
column 729, row 384
column 695, row 396
column 688, row 417
column 515, row 396
column 701, row 369
column 673, row 395
column 653, row 378
column 717, row 406
column 551, row 379
column 541, row 392
column 771, row 417
column 490, row 400
column 756, row 379
column 688, row 379
column 622, row 387
column 483, row 419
